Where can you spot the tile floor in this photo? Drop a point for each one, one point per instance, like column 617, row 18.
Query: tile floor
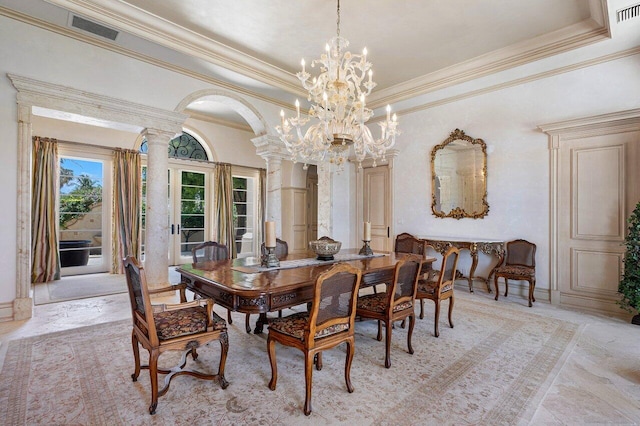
column 599, row 383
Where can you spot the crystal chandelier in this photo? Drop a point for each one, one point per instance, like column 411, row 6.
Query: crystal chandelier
column 337, row 97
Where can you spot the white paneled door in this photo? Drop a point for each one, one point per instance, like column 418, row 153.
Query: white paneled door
column 598, row 188
column 377, row 206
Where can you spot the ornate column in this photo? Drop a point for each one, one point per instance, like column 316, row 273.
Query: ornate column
column 22, row 304
column 273, row 151
column 325, row 225
column 157, row 224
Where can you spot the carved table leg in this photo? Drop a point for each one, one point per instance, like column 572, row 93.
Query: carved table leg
column 262, row 320
column 474, row 265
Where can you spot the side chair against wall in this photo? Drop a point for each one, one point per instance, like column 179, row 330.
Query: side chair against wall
column 282, row 251
column 329, row 322
column 519, row 264
column 211, row 250
column 440, row 288
column 395, row 304
column 184, row 326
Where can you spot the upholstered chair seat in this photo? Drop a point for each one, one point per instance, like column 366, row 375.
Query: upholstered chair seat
column 294, row 325
column 517, row 270
column 171, row 324
column 430, row 287
column 378, row 303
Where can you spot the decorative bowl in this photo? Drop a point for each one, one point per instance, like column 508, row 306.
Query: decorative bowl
column 325, row 248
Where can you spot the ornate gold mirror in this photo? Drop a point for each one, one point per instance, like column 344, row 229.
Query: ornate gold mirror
column 459, row 177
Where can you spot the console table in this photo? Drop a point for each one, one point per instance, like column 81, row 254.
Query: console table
column 490, row 248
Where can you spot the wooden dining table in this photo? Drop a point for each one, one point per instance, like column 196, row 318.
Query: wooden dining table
column 240, row 285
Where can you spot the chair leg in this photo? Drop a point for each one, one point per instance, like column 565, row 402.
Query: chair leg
column 308, row 376
column 387, row 345
column 271, row 348
column 136, row 357
column 229, row 319
column 379, row 337
column 224, row 346
column 451, row 299
column 530, row 294
column 153, row 375
column 437, row 319
column 318, row 361
column 247, row 326
column 347, row 365
column 506, row 287
column 533, row 292
column 412, row 320
column 495, row 284
column 421, row 308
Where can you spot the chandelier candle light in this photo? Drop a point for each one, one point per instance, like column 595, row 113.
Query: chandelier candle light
column 338, row 102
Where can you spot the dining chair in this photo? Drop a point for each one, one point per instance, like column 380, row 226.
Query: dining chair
column 184, row 326
column 441, row 288
column 407, row 243
column 282, row 251
column 211, row 251
column 329, row 322
column 519, row 264
column 395, row 304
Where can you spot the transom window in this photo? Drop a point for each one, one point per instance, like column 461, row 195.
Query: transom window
column 183, row 146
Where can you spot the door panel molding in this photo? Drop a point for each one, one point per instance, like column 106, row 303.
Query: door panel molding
column 618, row 128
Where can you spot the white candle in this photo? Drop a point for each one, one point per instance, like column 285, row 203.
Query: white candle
column 302, row 62
column 270, row 234
column 298, row 109
column 370, row 74
column 388, row 112
column 282, row 119
column 367, row 231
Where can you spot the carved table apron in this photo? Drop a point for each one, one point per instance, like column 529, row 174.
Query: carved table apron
column 490, row 248
column 262, row 292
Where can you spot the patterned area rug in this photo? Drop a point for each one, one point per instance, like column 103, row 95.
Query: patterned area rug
column 492, row 368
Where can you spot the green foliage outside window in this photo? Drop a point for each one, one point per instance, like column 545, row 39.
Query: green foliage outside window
column 86, row 194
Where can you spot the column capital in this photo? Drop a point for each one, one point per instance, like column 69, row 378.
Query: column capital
column 269, row 146
column 158, row 135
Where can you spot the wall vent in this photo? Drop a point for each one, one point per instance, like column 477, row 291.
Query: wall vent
column 93, row 28
column 628, row 13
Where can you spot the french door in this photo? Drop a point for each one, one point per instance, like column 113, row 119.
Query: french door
column 189, row 211
column 84, row 212
column 189, row 207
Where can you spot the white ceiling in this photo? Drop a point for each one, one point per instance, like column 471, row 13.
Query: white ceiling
column 415, row 46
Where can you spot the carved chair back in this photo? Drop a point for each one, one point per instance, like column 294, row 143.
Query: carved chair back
column 209, row 250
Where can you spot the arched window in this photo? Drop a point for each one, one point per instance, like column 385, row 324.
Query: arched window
column 183, row 146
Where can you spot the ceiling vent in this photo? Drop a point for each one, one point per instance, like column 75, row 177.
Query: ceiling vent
column 628, row 13
column 93, row 28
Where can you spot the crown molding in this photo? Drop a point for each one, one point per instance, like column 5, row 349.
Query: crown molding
column 140, row 23
column 573, row 37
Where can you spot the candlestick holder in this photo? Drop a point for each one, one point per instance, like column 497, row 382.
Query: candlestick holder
column 366, row 250
column 270, row 260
